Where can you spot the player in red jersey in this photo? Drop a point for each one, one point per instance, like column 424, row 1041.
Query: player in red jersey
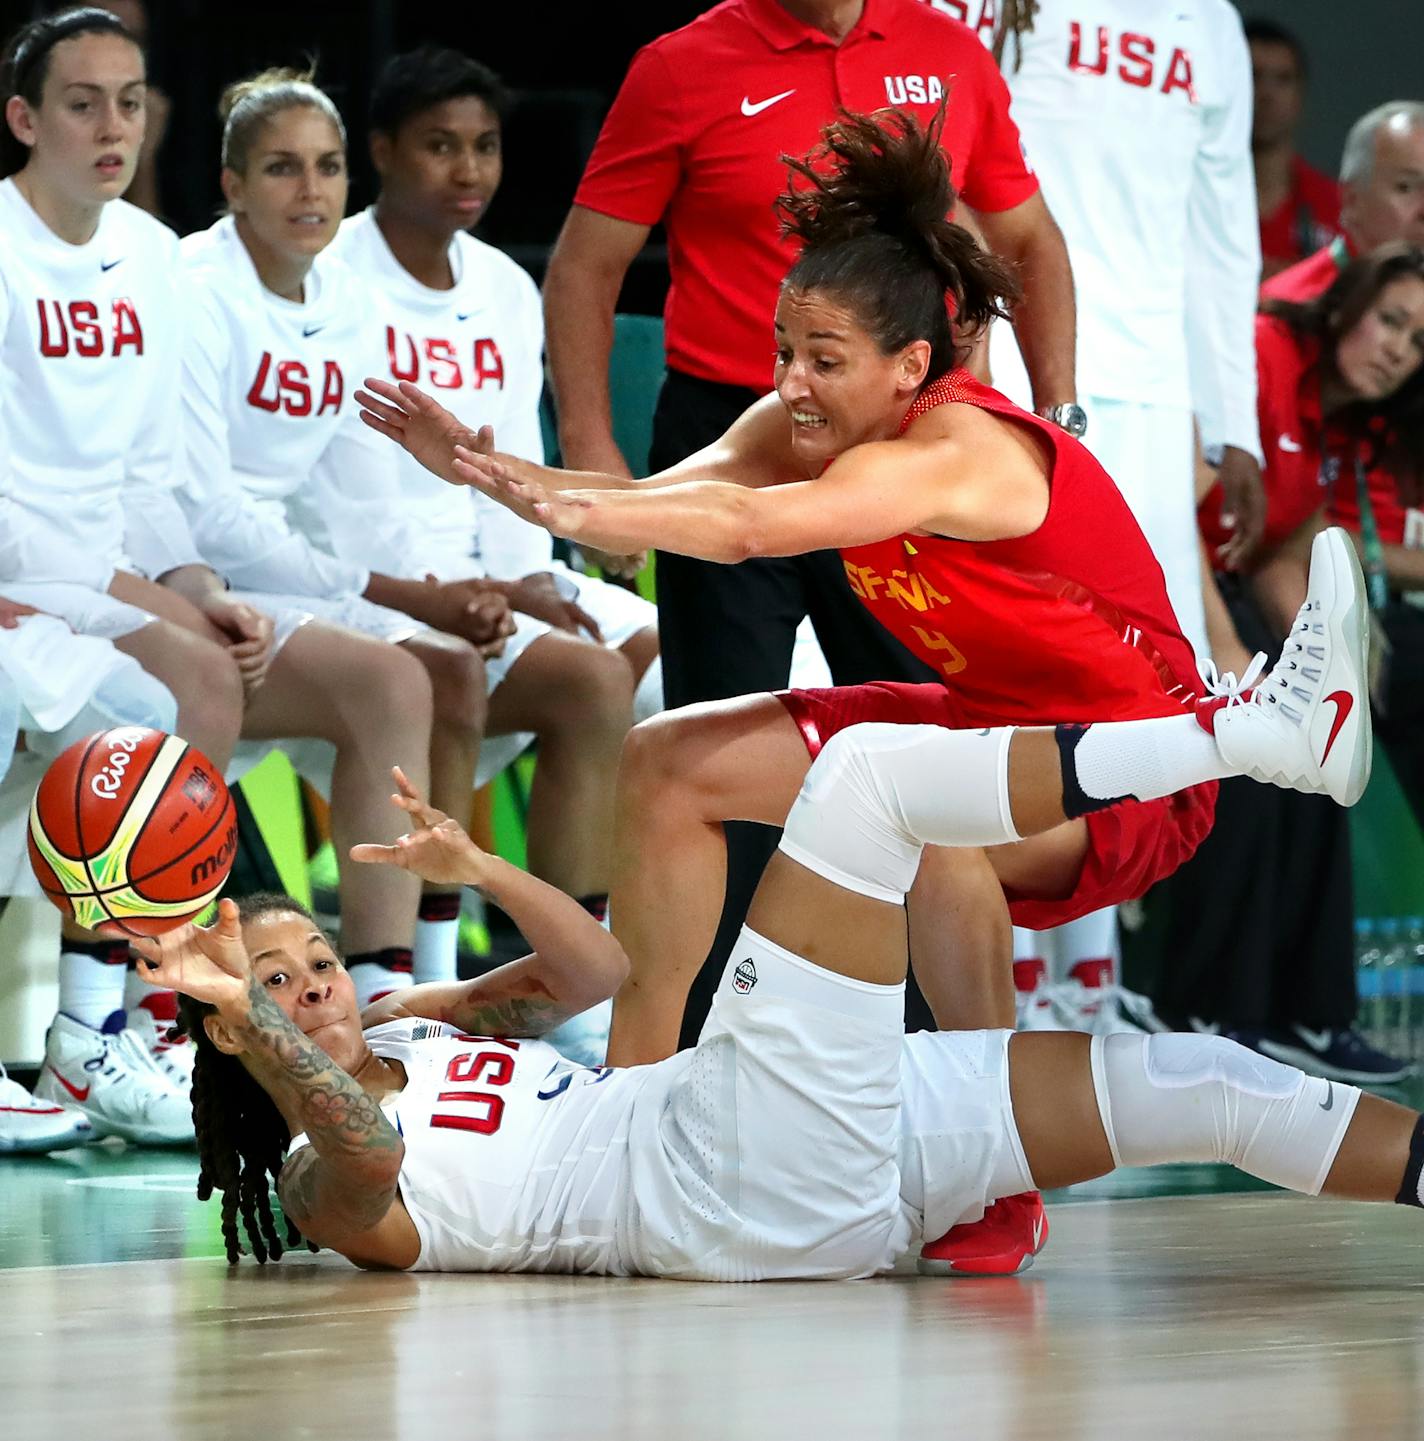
column 988, row 540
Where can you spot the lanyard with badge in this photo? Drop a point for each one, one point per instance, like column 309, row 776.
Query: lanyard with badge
column 1376, row 586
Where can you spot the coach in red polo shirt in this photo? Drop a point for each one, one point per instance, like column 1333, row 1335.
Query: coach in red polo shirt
column 694, row 140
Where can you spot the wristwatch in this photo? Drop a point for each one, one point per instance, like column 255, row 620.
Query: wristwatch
column 1069, row 417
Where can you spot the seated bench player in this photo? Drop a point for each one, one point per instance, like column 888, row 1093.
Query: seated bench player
column 462, row 318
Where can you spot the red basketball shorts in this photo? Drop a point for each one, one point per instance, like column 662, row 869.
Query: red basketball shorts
column 1131, row 846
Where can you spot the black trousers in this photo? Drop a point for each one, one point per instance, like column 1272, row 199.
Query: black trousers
column 729, row 630
column 1259, row 924
column 1400, row 726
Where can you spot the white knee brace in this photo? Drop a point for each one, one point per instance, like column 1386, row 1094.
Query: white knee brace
column 878, row 794
column 1204, row 1098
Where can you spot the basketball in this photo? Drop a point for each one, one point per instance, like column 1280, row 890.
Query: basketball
column 132, row 832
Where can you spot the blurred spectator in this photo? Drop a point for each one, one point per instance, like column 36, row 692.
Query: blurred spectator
column 1258, row 924
column 1381, row 198
column 1299, row 205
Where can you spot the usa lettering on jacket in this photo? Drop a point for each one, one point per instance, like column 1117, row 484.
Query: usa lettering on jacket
column 440, row 360
column 286, row 385
column 1134, row 59
column 76, row 325
column 979, row 15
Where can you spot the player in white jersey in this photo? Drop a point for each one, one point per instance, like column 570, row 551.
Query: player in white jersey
column 805, row 1135
column 88, row 359
column 90, row 350
column 463, row 319
column 282, row 333
column 1137, row 117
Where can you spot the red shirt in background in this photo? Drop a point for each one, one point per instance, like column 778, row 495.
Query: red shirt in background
column 1292, row 437
column 1069, row 623
column 1312, row 276
column 1397, row 523
column 1306, row 219
column 697, row 131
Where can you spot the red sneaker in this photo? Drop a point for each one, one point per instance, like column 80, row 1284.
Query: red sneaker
column 1002, row 1243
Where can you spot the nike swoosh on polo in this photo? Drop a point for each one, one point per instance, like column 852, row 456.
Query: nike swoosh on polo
column 465, row 314
column 73, row 1090
column 309, row 330
column 109, row 264
column 1289, row 444
column 1329, row 1100
column 755, row 108
column 1344, row 703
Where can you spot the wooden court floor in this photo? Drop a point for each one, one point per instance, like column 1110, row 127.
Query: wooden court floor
column 1153, row 1313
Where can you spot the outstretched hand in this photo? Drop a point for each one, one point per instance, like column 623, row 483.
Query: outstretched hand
column 437, row 849
column 560, row 512
column 208, row 963
column 420, row 425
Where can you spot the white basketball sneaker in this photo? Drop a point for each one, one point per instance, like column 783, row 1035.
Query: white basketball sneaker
column 1307, row 725
column 115, row 1082
column 174, row 1058
column 32, row 1127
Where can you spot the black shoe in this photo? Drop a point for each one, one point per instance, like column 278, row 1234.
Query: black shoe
column 1342, row 1055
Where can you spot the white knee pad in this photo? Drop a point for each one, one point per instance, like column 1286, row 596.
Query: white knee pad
column 877, row 794
column 1204, row 1098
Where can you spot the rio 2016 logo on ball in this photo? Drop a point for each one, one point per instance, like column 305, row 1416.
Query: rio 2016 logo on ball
column 132, row 832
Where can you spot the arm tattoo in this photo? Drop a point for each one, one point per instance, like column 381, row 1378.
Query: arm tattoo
column 352, row 1142
column 516, row 1016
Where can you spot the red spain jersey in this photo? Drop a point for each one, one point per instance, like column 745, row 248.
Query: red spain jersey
column 1292, row 436
column 1070, row 623
column 697, row 131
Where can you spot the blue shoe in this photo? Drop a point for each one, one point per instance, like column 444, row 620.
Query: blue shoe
column 1342, row 1055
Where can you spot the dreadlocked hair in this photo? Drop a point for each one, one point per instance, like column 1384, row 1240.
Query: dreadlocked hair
column 1016, row 19
column 242, row 1138
column 870, row 206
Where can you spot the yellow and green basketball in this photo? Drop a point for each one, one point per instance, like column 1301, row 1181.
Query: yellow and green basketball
column 132, row 832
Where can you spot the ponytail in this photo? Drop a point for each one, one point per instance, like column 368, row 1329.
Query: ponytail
column 870, row 206
column 247, row 105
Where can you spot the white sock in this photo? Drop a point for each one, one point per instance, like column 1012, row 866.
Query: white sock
column 91, row 980
column 373, row 981
column 436, row 944
column 1147, row 758
column 1090, row 941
